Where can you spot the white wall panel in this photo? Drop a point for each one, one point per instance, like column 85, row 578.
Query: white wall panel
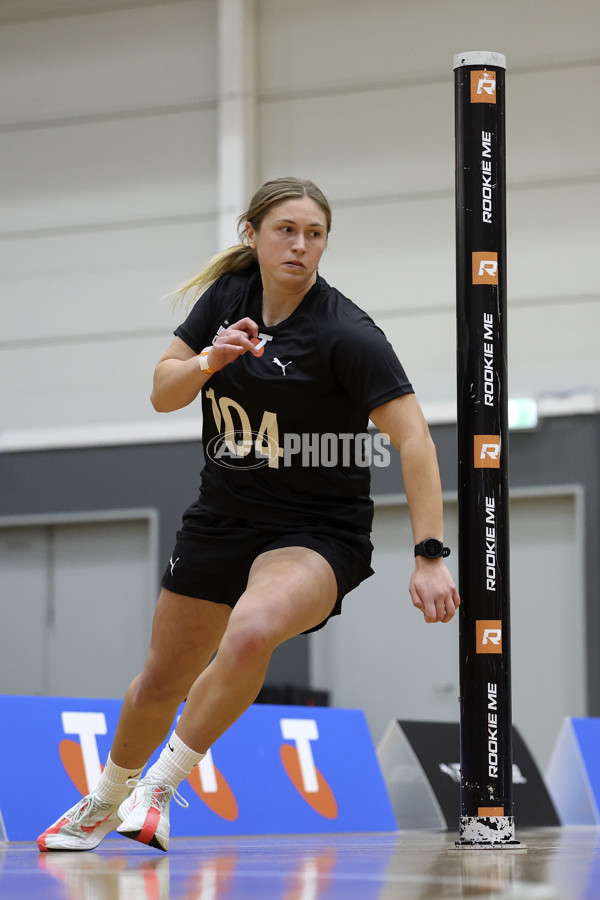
column 324, row 45
column 108, row 171
column 551, row 349
column 554, row 348
column 108, row 139
column 363, row 144
column 394, row 257
column 401, row 139
column 401, row 256
column 552, row 122
column 426, row 346
column 108, row 62
column 82, row 383
column 397, row 261
column 63, row 287
column 553, row 241
column 14, row 11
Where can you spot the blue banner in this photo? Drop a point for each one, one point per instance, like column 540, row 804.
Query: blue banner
column 573, row 774
column 587, row 732
column 277, row 770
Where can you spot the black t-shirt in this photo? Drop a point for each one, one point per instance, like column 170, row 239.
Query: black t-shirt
column 280, row 430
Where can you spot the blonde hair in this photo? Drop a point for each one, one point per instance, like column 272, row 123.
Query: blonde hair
column 241, row 256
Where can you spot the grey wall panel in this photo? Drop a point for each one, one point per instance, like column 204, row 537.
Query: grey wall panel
column 164, row 477
column 24, row 601
column 76, row 604
column 562, row 451
column 382, row 641
column 100, row 628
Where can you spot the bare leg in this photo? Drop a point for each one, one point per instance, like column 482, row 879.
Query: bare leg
column 185, row 634
column 289, row 591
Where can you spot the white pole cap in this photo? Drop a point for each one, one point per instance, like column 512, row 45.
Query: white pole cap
column 480, row 58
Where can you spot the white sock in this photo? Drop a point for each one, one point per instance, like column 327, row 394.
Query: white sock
column 113, row 786
column 175, row 762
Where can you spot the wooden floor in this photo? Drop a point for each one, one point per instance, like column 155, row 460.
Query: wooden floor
column 558, row 864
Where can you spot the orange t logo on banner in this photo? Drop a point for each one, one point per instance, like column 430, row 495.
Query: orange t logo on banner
column 281, row 770
column 483, row 86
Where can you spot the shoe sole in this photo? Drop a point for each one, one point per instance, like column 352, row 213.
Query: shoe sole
column 147, row 833
column 150, row 842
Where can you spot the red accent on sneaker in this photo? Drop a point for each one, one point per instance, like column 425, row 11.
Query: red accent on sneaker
column 150, row 823
column 89, row 828
column 41, row 841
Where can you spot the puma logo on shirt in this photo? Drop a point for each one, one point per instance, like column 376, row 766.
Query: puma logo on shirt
column 283, row 366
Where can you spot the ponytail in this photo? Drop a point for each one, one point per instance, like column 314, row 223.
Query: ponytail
column 234, row 259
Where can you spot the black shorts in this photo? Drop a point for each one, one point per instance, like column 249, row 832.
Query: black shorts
column 213, row 555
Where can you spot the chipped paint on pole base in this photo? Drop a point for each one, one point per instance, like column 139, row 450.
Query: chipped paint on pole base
column 488, row 833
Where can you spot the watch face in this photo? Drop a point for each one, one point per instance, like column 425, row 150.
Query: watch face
column 433, row 547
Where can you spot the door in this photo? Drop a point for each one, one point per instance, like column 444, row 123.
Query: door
column 77, row 601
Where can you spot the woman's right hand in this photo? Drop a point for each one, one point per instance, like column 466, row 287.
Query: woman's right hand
column 233, row 341
column 178, row 378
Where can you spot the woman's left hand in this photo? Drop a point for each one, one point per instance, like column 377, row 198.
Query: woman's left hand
column 433, row 591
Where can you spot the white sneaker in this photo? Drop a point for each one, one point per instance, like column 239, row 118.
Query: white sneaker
column 145, row 813
column 82, row 827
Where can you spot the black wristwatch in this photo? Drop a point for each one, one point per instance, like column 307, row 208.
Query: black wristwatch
column 432, row 549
